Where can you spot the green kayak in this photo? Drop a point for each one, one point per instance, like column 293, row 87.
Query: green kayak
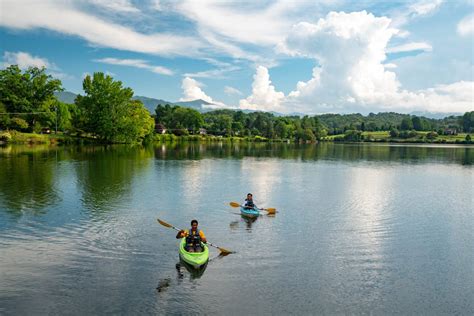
column 194, row 259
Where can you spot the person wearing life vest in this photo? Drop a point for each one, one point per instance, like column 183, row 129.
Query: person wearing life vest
column 248, row 203
column 194, row 237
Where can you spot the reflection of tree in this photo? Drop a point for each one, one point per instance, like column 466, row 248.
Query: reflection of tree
column 308, row 152
column 106, row 173
column 27, row 179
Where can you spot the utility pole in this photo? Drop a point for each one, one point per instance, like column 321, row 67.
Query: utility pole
column 56, row 120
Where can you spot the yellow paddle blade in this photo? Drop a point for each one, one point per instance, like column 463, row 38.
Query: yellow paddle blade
column 164, row 223
column 224, row 251
column 271, row 210
column 234, row 204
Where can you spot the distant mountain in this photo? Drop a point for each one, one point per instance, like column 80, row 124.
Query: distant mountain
column 195, row 104
column 66, row 96
column 151, row 103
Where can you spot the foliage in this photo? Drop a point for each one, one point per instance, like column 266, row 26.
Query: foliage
column 468, row 122
column 108, row 111
column 24, row 94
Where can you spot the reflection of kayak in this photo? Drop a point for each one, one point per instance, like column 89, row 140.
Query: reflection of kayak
column 194, row 259
column 249, row 212
column 194, row 273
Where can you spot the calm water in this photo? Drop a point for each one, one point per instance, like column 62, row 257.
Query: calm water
column 360, row 229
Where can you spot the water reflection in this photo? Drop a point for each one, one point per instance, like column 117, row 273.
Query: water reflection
column 193, row 272
column 106, row 173
column 27, row 179
column 461, row 154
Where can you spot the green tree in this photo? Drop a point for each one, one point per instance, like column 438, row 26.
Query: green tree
column 417, row 123
column 110, row 113
column 406, row 124
column 186, row 118
column 26, row 92
column 468, row 122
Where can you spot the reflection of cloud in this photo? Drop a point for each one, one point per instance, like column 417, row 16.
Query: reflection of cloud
column 260, row 177
column 193, row 182
column 369, row 199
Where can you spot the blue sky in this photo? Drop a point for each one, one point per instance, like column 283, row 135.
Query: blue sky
column 285, row 56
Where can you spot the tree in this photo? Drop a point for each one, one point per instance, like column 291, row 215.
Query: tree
column 110, row 113
column 186, row 118
column 468, row 122
column 26, row 92
column 417, row 123
column 406, row 124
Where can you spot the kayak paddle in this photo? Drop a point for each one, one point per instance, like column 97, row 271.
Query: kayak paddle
column 223, row 251
column 270, row 210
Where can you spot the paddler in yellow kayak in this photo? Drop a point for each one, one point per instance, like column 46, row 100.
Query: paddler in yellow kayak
column 194, row 237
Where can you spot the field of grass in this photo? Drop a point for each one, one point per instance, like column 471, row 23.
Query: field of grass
column 420, row 138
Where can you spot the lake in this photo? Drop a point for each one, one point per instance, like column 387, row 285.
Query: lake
column 359, row 229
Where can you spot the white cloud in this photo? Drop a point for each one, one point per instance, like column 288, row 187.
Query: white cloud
column 24, row 60
column 137, row 63
column 122, row 6
column 192, row 91
column 409, row 47
column 425, row 7
column 414, row 10
column 466, row 26
column 264, row 96
column 63, row 17
column 232, row 91
column 156, row 5
column 350, row 50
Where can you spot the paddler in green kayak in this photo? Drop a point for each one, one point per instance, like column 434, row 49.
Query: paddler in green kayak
column 194, row 237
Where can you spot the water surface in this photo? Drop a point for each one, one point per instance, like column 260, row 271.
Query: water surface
column 382, row 229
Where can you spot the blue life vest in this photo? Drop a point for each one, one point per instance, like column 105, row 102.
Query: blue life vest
column 193, row 239
column 249, row 204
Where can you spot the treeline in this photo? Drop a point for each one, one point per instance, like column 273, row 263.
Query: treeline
column 105, row 112
column 182, row 121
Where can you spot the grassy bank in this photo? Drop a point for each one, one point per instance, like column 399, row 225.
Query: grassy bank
column 419, row 137
column 15, row 137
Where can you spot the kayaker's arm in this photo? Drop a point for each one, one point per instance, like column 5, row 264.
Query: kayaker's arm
column 203, row 237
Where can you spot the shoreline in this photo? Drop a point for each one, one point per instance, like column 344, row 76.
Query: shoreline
column 15, row 137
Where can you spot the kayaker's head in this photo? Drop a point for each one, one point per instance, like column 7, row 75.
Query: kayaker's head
column 194, row 224
column 249, row 197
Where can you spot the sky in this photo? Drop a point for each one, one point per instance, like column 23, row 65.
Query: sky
column 312, row 57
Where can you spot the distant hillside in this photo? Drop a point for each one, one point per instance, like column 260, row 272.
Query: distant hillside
column 151, row 103
column 66, row 96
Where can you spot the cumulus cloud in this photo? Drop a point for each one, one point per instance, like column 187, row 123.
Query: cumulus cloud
column 264, row 96
column 466, row 26
column 65, row 18
column 137, row 63
column 350, row 50
column 192, row 91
